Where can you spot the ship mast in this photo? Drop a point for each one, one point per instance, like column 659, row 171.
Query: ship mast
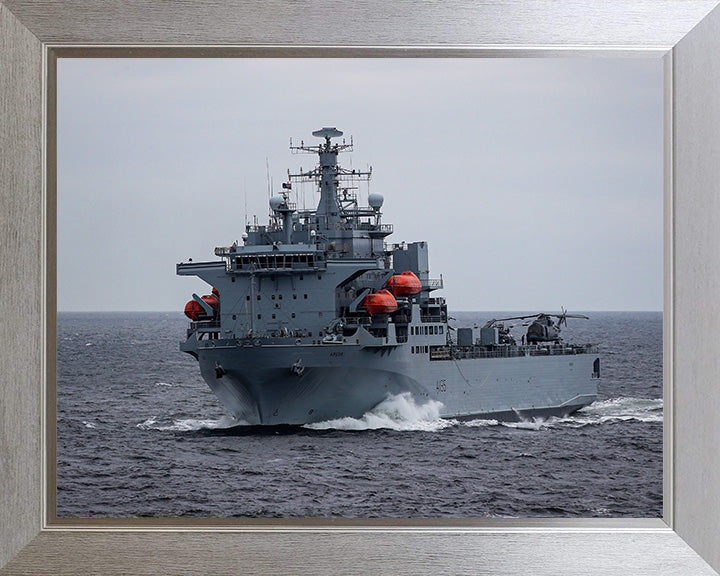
column 328, row 175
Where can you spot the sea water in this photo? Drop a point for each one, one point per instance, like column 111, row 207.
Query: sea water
column 139, row 434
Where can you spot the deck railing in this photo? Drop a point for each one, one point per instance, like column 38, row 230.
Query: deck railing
column 465, row 352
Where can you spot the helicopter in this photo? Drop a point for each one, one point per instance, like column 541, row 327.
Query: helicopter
column 543, row 328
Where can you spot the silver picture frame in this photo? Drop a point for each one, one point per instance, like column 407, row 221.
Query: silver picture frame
column 684, row 33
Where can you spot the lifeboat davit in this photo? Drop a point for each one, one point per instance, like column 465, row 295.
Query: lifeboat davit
column 381, row 302
column 195, row 311
column 405, row 284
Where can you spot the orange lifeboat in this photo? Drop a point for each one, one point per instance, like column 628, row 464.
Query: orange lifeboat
column 405, row 284
column 381, row 302
column 194, row 311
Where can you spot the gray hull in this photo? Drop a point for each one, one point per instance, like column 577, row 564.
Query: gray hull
column 301, row 384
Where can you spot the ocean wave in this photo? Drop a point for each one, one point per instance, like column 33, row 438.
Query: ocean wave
column 189, row 424
column 612, row 411
column 622, row 409
column 399, row 412
column 402, row 413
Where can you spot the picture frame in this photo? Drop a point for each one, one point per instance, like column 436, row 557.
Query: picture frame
column 684, row 33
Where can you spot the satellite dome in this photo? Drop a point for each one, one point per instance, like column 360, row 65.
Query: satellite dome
column 375, row 200
column 276, row 202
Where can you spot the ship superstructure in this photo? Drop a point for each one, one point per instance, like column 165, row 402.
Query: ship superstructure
column 315, row 317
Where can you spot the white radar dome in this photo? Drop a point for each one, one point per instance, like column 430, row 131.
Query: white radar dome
column 375, row 200
column 276, row 202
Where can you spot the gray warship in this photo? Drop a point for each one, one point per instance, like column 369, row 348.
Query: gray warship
column 315, row 317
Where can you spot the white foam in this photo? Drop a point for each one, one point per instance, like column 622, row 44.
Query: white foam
column 612, row 411
column 609, row 411
column 399, row 412
column 534, row 424
column 89, row 424
column 147, row 424
column 622, row 409
column 190, row 424
column 163, row 384
column 481, row 423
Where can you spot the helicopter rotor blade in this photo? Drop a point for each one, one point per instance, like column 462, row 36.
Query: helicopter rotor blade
column 563, row 317
column 494, row 320
column 568, row 316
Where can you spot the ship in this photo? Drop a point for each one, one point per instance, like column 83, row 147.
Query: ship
column 314, row 316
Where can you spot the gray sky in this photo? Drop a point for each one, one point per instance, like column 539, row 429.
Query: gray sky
column 537, row 182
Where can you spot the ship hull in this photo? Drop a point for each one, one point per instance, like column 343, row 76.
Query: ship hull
column 296, row 385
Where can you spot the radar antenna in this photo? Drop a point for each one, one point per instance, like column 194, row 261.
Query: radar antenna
column 328, row 133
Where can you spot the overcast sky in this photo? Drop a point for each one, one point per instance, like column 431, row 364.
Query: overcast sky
column 537, row 182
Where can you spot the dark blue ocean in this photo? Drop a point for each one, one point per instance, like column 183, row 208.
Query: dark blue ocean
column 139, row 434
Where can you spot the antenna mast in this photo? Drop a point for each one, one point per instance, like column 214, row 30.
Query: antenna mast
column 328, row 175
